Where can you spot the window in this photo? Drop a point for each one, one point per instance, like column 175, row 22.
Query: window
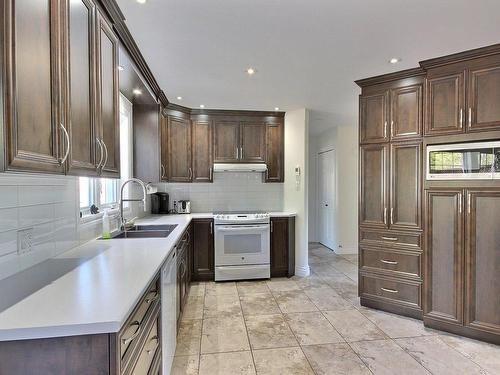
column 104, row 192
column 100, row 192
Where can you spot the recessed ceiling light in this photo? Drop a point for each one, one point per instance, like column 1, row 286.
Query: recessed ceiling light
column 141, row 1
column 276, row 108
column 251, row 71
column 394, row 60
column 120, row 68
column 179, row 98
column 136, row 92
column 202, row 105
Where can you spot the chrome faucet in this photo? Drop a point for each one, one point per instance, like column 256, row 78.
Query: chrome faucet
column 143, row 200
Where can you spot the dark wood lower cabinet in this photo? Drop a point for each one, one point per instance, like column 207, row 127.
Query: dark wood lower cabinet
column 462, row 282
column 183, row 272
column 282, row 246
column 203, row 268
column 134, row 350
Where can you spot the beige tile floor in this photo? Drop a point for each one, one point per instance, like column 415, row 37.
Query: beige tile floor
column 314, row 325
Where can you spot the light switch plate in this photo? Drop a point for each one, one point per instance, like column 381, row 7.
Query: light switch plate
column 24, row 240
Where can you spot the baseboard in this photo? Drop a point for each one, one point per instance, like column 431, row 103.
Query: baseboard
column 302, row 271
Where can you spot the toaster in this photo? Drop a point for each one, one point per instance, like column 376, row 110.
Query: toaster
column 182, row 207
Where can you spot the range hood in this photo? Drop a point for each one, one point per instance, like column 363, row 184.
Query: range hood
column 239, row 167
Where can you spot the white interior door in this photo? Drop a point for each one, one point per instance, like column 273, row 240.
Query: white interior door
column 326, row 199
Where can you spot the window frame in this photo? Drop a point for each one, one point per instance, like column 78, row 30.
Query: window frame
column 95, row 186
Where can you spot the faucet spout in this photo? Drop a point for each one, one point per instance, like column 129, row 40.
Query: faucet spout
column 143, row 199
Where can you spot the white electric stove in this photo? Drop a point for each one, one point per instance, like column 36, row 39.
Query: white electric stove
column 242, row 245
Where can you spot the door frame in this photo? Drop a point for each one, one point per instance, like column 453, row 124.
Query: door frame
column 318, row 215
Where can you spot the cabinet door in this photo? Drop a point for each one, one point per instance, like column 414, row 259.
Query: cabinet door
column 226, row 142
column 202, row 151
column 445, row 106
column 274, row 152
column 373, row 117
column 179, row 150
column 163, row 148
column 32, row 86
column 406, row 112
column 482, row 259
column 279, row 247
column 405, row 175
column 373, row 185
column 253, row 142
column 81, row 64
column 108, row 99
column 484, row 99
column 203, row 250
column 444, row 267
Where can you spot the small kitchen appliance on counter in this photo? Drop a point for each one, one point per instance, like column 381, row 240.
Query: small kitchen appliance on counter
column 242, row 245
column 182, row 207
column 159, row 203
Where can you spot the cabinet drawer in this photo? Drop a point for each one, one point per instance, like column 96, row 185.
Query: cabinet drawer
column 390, row 238
column 403, row 292
column 149, row 350
column 398, row 263
column 130, row 334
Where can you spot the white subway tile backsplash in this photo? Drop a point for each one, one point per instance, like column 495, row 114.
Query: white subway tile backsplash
column 35, row 215
column 8, row 243
column 49, row 205
column 8, row 196
column 229, row 191
column 8, row 219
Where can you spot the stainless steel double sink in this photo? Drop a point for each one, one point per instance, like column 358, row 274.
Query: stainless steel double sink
column 145, row 231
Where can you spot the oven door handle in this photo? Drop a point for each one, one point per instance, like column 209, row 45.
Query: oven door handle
column 235, row 228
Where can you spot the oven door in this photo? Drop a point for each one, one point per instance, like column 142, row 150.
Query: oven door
column 242, row 244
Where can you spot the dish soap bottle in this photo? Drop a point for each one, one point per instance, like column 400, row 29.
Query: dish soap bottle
column 106, row 232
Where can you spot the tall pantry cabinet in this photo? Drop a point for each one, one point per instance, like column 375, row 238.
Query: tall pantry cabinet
column 390, row 209
column 429, row 247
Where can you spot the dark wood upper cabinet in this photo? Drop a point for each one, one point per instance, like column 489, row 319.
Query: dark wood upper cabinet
column 226, row 141
column 482, row 261
column 444, row 257
column 406, row 112
column 164, row 154
column 239, row 142
column 80, row 85
column 108, row 91
column 203, row 250
column 445, row 108
column 179, row 150
column 373, row 117
column 405, row 176
column 484, row 98
column 274, row 152
column 253, row 142
column 34, row 138
column 374, row 162
column 202, row 150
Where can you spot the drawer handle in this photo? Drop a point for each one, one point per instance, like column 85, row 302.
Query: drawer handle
column 152, row 351
column 128, row 340
column 389, row 238
column 389, row 290
column 388, row 261
column 154, row 298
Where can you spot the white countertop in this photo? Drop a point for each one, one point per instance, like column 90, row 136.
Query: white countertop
column 98, row 294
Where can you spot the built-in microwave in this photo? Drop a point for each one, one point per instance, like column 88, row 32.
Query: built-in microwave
column 464, row 161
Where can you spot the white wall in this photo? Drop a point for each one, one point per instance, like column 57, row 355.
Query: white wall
column 344, row 140
column 230, row 191
column 295, row 196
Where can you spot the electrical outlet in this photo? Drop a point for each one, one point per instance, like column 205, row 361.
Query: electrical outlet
column 24, row 240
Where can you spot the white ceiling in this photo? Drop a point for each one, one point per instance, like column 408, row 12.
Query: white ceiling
column 307, row 52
